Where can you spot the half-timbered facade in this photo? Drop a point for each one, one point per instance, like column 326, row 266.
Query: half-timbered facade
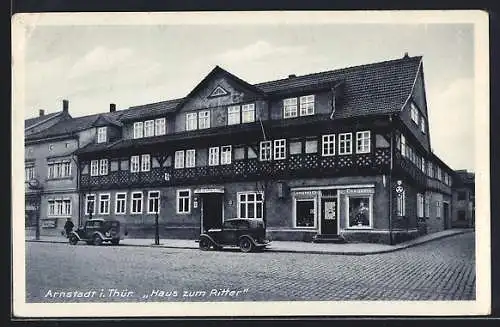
column 338, row 154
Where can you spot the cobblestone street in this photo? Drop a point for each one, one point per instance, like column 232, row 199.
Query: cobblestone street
column 439, row 270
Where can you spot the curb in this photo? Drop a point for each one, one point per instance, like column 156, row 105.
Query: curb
column 396, row 248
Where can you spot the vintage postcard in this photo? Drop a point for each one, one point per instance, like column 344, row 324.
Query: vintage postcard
column 251, row 164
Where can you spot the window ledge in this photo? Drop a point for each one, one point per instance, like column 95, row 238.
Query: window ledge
column 58, row 178
column 358, row 228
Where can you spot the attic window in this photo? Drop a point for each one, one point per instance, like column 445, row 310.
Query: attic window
column 219, row 91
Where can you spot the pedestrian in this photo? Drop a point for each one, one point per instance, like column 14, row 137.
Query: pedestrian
column 68, row 227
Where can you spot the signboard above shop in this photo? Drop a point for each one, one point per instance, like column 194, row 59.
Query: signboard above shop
column 357, row 191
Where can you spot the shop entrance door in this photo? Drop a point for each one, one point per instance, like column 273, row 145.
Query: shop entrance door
column 329, row 216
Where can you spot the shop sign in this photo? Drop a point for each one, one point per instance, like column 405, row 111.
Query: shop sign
column 306, row 193
column 357, row 191
column 49, row 223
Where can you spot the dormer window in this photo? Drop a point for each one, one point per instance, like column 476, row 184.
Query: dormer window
column 160, row 126
column 303, row 105
column 138, row 130
column 149, row 128
column 414, row 113
column 101, row 134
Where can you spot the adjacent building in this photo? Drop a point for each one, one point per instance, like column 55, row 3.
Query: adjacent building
column 464, row 199
column 342, row 154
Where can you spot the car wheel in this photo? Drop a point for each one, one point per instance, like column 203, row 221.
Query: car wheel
column 205, row 244
column 97, row 240
column 115, row 242
column 73, row 240
column 246, row 245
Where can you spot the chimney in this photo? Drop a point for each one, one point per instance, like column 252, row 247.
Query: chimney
column 112, row 107
column 42, row 112
column 292, row 76
column 406, row 56
column 65, row 105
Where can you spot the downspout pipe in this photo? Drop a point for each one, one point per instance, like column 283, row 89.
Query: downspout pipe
column 390, row 181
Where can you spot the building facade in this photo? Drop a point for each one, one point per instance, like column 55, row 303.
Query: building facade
column 464, row 199
column 338, row 154
column 50, row 161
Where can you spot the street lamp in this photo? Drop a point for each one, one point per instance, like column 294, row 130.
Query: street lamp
column 35, row 185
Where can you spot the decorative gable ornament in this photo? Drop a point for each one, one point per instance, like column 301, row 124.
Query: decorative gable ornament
column 219, row 91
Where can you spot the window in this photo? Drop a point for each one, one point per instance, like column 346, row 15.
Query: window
column 250, row 205
column 279, row 149
column 120, row 203
column 59, row 207
column 101, row 134
column 423, row 165
column 401, row 204
column 190, row 158
column 145, row 162
column 183, row 201
column 191, row 121
column 420, row 205
column 248, row 113
column 439, row 173
column 136, row 206
column 427, row 205
column 461, row 196
column 225, row 156
column 305, row 213
column 104, row 204
column 153, row 201
column 363, row 142
column 430, row 172
column 345, row 143
column 290, row 108
column 90, row 204
column 265, row 150
column 179, row 159
column 103, row 167
column 414, row 113
column 438, row 209
column 328, row 145
column 307, row 105
column 60, row 169
column 312, row 146
column 134, row 164
column 359, row 211
column 149, row 128
column 138, row 130
column 422, row 125
column 213, row 156
column 295, row 148
column 233, row 115
column 160, row 126
column 29, row 173
column 403, row 145
column 204, row 119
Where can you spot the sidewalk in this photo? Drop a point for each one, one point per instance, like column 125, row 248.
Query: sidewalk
column 286, row 246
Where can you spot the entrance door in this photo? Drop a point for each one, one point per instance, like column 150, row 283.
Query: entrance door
column 329, row 216
column 212, row 211
column 446, row 212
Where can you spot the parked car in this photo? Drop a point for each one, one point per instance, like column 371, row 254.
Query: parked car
column 97, row 231
column 248, row 234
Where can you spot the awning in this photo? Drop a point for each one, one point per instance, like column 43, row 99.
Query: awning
column 209, row 191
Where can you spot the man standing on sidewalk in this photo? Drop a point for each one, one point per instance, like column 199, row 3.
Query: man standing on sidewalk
column 68, row 227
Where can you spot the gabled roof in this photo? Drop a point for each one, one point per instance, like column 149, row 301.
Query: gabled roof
column 376, row 88
column 73, row 125
column 32, row 122
column 218, row 70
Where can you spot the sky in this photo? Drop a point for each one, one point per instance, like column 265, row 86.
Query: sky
column 93, row 66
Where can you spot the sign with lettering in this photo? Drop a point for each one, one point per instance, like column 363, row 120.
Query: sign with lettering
column 49, row 223
column 357, row 191
column 305, row 193
column 208, row 190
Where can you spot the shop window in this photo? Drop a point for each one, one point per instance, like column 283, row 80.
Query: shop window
column 359, row 211
column 305, row 213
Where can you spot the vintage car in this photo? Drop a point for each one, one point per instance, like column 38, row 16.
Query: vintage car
column 246, row 233
column 97, row 231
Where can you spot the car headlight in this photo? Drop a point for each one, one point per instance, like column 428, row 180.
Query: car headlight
column 107, row 234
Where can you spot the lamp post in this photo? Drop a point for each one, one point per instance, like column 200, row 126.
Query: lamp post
column 35, row 185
